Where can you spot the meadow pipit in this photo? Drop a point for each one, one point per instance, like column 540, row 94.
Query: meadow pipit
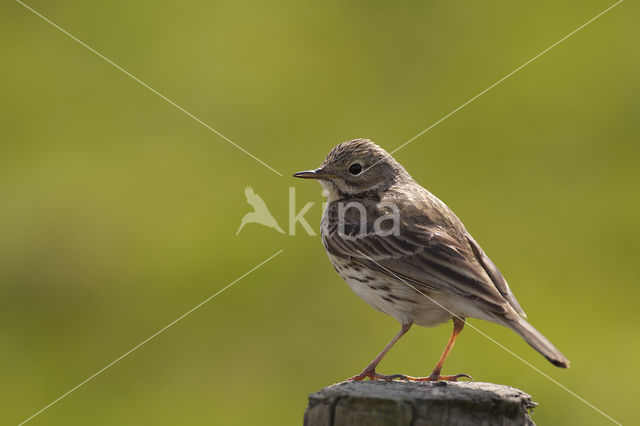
column 404, row 252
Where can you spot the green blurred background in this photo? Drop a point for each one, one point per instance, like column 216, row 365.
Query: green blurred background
column 118, row 212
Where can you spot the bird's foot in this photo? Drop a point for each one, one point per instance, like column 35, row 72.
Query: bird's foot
column 372, row 375
column 433, row 378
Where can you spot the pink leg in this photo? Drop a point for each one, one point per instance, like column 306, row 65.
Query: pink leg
column 458, row 324
column 370, row 370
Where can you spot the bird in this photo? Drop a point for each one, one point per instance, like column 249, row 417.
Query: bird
column 260, row 213
column 423, row 268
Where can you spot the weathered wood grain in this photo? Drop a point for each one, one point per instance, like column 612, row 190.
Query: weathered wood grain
column 401, row 403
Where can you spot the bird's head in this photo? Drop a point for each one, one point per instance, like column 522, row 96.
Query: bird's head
column 356, row 167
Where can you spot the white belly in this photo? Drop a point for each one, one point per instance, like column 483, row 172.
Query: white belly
column 393, row 297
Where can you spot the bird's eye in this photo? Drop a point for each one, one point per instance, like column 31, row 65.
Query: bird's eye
column 355, row 169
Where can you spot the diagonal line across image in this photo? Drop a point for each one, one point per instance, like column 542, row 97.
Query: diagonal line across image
column 163, row 329
column 124, row 71
column 497, row 343
column 145, row 85
column 502, row 79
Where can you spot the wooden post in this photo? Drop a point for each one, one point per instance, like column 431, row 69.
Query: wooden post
column 401, row 403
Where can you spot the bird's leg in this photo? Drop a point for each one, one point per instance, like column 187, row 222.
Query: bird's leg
column 370, row 370
column 458, row 324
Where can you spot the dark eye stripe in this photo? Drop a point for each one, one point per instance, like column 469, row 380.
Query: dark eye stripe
column 355, row 168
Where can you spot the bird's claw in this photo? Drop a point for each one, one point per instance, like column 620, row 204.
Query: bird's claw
column 372, row 375
column 437, row 377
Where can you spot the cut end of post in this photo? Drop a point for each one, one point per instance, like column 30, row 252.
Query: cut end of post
column 401, row 403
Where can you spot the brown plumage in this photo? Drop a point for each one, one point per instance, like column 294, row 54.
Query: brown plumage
column 424, row 267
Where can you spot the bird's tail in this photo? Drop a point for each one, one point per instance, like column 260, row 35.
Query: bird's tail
column 538, row 341
column 242, row 224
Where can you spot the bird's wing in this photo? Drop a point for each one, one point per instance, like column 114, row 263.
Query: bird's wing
column 254, row 200
column 496, row 276
column 423, row 255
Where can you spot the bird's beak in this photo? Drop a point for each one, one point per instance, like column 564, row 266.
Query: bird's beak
column 313, row 174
